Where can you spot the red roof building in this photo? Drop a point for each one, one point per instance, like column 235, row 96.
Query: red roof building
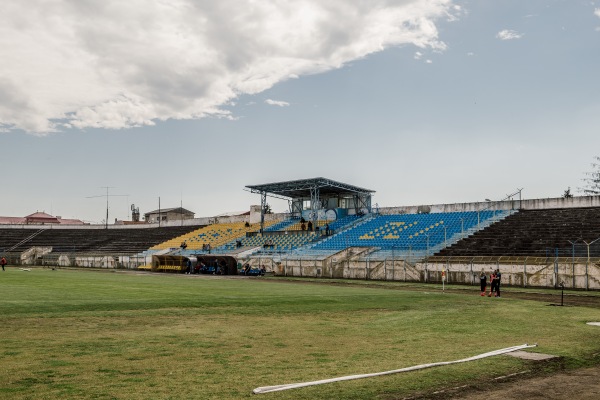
column 39, row 218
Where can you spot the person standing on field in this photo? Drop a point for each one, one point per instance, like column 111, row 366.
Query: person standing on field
column 492, row 283
column 498, row 277
column 3, row 262
column 483, row 282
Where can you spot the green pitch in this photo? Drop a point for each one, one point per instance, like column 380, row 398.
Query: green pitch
column 111, row 335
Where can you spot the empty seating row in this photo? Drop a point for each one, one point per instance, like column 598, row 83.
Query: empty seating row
column 214, row 235
column 406, row 231
column 113, row 240
column 541, row 233
column 291, row 241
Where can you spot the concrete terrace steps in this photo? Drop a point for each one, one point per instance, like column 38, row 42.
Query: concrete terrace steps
column 532, row 232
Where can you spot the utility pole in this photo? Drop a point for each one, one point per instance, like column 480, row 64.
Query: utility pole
column 107, row 196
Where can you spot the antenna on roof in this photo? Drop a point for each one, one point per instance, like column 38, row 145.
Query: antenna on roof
column 107, row 196
column 135, row 213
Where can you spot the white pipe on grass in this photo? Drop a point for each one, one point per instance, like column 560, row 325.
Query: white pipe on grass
column 276, row 388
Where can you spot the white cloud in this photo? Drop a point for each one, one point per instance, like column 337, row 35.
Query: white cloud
column 508, row 34
column 277, row 103
column 418, row 55
column 119, row 64
column 428, row 61
column 597, row 12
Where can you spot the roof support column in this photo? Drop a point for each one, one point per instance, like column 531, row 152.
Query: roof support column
column 362, row 201
column 263, row 205
column 315, row 204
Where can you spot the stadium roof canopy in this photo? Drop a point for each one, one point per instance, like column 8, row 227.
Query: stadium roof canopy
column 304, row 187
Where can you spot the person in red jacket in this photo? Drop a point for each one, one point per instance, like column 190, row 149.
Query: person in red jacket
column 3, row 263
column 492, row 283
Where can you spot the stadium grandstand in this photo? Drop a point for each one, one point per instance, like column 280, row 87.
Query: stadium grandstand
column 331, row 230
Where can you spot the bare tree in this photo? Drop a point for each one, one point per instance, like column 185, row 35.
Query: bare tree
column 568, row 194
column 592, row 179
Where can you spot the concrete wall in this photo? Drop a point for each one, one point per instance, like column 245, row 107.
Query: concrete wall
column 531, row 204
column 575, row 275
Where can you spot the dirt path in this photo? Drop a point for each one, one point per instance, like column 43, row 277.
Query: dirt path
column 582, row 384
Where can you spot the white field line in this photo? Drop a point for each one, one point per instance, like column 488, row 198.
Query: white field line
column 276, row 388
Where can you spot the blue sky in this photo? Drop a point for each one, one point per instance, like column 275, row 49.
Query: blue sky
column 424, row 102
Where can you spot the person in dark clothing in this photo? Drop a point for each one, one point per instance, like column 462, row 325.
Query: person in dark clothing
column 310, row 226
column 483, row 282
column 498, row 278
column 3, row 263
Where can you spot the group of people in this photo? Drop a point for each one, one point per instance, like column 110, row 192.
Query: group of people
column 309, row 226
column 495, row 277
column 248, row 271
column 214, row 268
column 206, row 247
column 269, row 244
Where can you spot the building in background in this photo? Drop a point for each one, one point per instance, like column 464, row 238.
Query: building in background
column 39, row 218
column 168, row 214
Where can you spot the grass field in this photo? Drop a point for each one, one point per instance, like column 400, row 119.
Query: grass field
column 102, row 335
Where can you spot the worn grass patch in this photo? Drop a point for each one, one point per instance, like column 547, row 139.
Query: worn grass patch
column 84, row 334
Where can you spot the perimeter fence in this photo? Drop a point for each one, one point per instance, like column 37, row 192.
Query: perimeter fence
column 550, row 272
column 573, row 272
column 78, row 260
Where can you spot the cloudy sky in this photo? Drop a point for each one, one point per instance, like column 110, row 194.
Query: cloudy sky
column 425, row 102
